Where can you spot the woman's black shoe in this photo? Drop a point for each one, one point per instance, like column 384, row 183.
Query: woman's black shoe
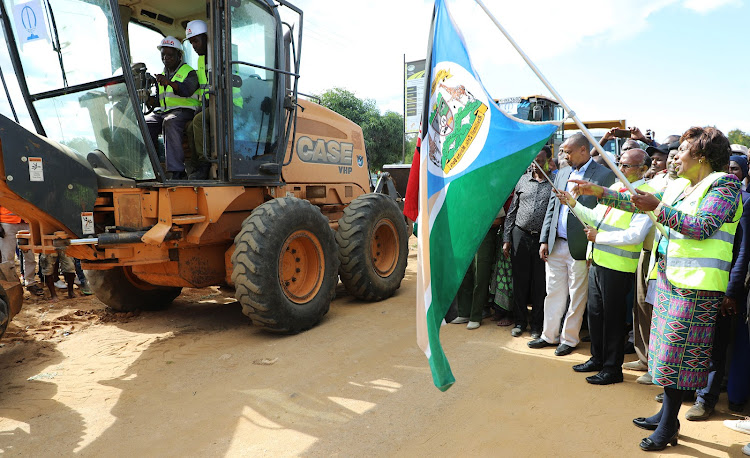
column 650, row 446
column 642, row 423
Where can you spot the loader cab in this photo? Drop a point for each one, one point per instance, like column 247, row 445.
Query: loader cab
column 69, row 57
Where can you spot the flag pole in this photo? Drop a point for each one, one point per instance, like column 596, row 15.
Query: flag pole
column 571, row 114
column 557, row 191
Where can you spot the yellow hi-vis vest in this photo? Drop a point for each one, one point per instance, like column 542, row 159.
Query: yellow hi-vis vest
column 698, row 264
column 168, row 100
column 623, row 258
column 203, row 85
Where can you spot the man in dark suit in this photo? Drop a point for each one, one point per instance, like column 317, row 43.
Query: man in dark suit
column 563, row 248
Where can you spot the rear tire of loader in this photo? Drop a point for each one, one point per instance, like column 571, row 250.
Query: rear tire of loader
column 285, row 265
column 373, row 246
column 121, row 291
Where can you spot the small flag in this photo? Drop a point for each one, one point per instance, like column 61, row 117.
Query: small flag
column 471, row 156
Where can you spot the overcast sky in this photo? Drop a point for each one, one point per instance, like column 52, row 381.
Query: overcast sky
column 659, row 64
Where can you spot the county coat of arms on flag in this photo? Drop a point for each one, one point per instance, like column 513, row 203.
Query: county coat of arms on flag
column 471, row 156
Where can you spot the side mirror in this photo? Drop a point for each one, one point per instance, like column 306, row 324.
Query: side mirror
column 536, row 114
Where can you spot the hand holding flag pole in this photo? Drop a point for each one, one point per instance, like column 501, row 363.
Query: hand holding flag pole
column 571, row 114
column 557, row 191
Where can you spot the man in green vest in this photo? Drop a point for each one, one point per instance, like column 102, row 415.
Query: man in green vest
column 175, row 105
column 615, row 244
column 197, row 33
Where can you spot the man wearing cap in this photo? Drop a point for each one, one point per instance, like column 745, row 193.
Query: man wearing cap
column 741, row 150
column 175, row 105
column 658, row 156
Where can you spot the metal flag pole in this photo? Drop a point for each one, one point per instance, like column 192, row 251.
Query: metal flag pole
column 571, row 114
column 557, row 191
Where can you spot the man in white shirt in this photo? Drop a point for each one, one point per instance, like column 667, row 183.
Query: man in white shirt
column 615, row 244
column 563, row 249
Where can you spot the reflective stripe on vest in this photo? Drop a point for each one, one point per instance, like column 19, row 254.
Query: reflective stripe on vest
column 203, row 85
column 623, row 258
column 168, row 100
column 699, row 264
column 202, row 79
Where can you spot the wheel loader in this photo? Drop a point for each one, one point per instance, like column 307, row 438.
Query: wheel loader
column 287, row 211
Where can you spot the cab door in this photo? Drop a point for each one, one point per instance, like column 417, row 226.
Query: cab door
column 252, row 91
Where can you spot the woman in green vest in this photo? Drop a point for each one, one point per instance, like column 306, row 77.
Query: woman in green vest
column 699, row 211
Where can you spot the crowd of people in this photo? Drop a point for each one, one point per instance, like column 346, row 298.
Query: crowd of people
column 49, row 267
column 580, row 252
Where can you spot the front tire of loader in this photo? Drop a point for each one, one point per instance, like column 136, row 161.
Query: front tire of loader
column 373, row 246
column 285, row 265
column 121, row 291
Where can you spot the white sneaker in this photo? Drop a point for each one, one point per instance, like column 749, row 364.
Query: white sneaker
column 746, row 450
column 59, row 284
column 460, row 320
column 645, row 379
column 742, row 426
column 636, row 365
column 473, row 325
column 77, row 281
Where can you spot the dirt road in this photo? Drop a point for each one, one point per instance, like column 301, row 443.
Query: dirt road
column 199, row 380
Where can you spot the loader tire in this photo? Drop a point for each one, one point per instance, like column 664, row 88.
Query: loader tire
column 373, row 246
column 285, row 265
column 121, row 291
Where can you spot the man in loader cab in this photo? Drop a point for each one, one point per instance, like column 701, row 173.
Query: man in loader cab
column 197, row 33
column 176, row 105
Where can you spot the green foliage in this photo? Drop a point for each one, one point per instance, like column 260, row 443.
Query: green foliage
column 81, row 144
column 348, row 105
column 739, row 137
column 383, row 133
column 411, row 145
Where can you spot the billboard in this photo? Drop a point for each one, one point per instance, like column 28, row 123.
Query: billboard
column 414, row 94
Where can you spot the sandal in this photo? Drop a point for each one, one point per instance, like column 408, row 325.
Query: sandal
column 35, row 289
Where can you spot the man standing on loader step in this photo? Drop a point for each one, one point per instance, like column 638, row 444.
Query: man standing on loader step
column 176, row 104
column 197, row 33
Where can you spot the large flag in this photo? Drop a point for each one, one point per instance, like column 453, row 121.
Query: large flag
column 471, row 156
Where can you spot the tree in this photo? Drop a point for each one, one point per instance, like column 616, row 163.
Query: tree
column 411, row 145
column 348, row 105
column 82, row 145
column 739, row 137
column 383, row 134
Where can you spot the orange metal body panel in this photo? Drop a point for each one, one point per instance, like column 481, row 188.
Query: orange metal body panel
column 329, row 151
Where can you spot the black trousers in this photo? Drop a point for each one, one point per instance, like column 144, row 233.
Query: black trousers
column 529, row 283
column 607, row 309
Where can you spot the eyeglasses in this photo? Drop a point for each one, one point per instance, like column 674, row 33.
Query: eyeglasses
column 629, row 166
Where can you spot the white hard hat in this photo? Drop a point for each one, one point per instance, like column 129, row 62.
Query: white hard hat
column 194, row 28
column 170, row 42
column 739, row 149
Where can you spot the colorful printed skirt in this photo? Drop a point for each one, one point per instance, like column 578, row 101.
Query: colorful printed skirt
column 682, row 334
